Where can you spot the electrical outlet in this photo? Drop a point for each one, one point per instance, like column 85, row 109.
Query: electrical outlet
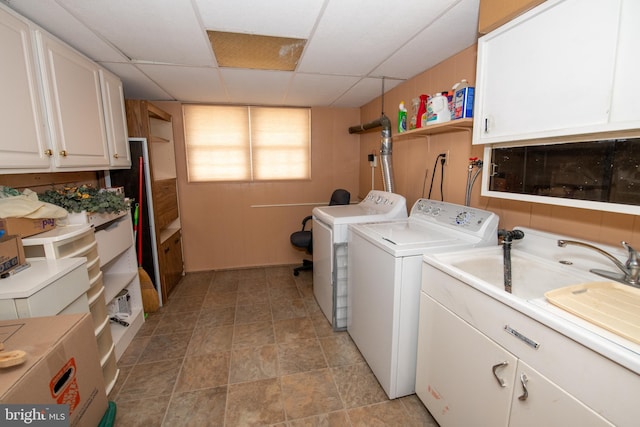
column 446, row 159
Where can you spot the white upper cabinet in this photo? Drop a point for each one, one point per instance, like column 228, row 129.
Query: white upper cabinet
column 24, row 135
column 73, row 100
column 59, row 111
column 565, row 68
column 115, row 120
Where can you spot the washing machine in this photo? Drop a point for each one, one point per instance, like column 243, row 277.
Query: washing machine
column 384, row 279
column 330, row 225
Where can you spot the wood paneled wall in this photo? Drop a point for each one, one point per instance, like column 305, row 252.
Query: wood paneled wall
column 231, row 225
column 413, row 162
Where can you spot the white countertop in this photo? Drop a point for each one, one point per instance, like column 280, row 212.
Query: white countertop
column 614, row 347
column 41, row 274
column 57, row 234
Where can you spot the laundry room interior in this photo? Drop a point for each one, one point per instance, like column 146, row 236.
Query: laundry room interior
column 493, row 244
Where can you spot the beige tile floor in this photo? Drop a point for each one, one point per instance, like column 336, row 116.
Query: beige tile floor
column 250, row 348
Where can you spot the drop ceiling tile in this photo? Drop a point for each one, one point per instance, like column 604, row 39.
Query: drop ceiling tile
column 353, row 39
column 281, row 18
column 136, row 84
column 56, row 20
column 451, row 33
column 155, row 31
column 317, row 90
column 257, row 87
column 364, row 91
column 189, row 84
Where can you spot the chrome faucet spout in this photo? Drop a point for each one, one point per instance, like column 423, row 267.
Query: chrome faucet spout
column 630, row 270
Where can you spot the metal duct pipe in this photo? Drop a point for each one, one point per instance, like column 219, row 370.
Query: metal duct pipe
column 367, row 126
column 385, row 147
column 385, row 154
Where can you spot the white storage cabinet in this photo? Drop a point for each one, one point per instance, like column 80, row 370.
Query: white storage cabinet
column 22, row 120
column 82, row 240
column 470, row 368
column 564, row 68
column 46, row 288
column 59, row 111
column 115, row 120
column 119, row 266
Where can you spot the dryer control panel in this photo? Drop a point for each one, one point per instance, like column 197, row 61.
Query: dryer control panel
column 383, row 201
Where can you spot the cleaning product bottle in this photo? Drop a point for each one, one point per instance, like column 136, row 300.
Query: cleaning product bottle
column 402, row 118
column 421, row 119
column 415, row 104
column 462, row 100
column 438, row 109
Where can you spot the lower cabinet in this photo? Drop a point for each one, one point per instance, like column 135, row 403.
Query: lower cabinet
column 170, row 260
column 471, row 380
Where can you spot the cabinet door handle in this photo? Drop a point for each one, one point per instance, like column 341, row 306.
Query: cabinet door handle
column 525, row 391
column 115, row 156
column 48, row 152
column 166, row 250
column 495, row 373
column 486, row 125
column 63, row 153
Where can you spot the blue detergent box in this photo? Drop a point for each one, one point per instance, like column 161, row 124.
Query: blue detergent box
column 463, row 103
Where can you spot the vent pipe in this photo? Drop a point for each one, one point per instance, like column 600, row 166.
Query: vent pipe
column 385, row 147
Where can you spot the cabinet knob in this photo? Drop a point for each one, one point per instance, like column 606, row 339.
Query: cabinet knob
column 63, row 153
column 115, row 156
column 48, row 152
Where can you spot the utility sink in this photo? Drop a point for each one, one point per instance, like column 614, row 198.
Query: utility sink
column 538, row 265
column 531, row 276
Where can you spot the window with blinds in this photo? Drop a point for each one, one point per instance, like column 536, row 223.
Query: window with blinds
column 244, row 143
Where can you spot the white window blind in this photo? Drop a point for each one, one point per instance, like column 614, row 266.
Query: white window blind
column 240, row 143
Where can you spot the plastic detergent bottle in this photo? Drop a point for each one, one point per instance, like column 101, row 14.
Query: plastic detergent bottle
column 421, row 119
column 415, row 104
column 462, row 100
column 402, row 118
column 438, row 109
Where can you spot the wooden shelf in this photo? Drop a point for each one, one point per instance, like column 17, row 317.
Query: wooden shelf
column 447, row 127
column 157, row 113
column 154, row 138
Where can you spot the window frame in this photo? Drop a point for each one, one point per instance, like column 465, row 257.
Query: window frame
column 252, row 145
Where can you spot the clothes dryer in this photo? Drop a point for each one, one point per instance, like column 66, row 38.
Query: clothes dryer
column 330, row 225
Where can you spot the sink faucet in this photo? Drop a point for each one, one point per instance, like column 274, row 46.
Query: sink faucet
column 507, row 238
column 630, row 270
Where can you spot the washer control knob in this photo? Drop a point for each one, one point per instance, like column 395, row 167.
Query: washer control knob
column 463, row 218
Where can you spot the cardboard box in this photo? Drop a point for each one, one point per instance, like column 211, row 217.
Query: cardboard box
column 11, row 253
column 25, row 227
column 62, row 367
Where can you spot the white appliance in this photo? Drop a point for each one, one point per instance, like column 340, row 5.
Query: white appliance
column 330, row 225
column 384, row 278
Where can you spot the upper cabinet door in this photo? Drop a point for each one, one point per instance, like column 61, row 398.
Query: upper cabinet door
column 626, row 88
column 115, row 120
column 74, row 105
column 548, row 73
column 24, row 135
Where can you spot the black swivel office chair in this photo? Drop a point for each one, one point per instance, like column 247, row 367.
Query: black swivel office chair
column 303, row 239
